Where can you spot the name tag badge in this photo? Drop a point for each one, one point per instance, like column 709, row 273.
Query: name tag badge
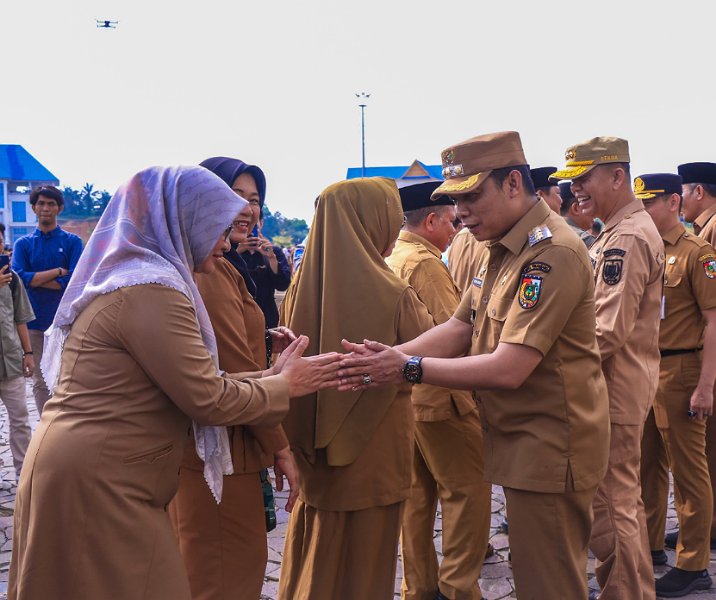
column 477, row 282
column 663, row 308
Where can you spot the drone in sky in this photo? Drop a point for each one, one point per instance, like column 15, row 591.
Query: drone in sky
column 106, row 24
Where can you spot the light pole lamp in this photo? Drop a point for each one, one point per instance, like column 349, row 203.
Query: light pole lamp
column 362, row 103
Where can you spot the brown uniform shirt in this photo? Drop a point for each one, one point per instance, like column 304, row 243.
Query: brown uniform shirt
column 535, row 287
column 628, row 259
column 705, row 225
column 239, row 327
column 463, row 255
column 689, row 289
column 418, row 262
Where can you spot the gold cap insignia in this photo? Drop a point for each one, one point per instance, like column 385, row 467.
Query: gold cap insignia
column 570, row 154
column 639, row 185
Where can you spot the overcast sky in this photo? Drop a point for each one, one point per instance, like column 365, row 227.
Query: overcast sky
column 273, row 83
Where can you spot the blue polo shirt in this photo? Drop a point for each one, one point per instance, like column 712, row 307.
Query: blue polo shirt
column 38, row 252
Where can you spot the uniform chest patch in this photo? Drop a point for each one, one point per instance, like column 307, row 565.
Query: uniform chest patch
column 537, row 266
column 612, row 270
column 530, row 290
column 709, row 263
column 614, row 252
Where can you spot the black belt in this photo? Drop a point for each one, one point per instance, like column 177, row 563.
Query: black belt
column 681, row 351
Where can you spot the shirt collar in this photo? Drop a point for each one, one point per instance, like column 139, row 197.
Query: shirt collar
column 705, row 217
column 51, row 234
column 413, row 238
column 634, row 205
column 674, row 234
column 516, row 238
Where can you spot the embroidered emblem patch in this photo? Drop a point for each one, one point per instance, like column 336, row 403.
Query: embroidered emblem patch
column 537, row 266
column 570, row 154
column 477, row 282
column 710, row 266
column 449, row 156
column 539, row 234
column 530, row 290
column 614, row 252
column 612, row 270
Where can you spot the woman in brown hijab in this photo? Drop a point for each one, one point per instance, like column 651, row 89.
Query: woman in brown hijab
column 354, row 450
column 224, row 545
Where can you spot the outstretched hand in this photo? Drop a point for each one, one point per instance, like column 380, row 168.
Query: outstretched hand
column 370, row 364
column 306, row 375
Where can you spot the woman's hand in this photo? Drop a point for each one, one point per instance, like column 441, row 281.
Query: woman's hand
column 307, row 375
column 285, row 465
column 281, row 338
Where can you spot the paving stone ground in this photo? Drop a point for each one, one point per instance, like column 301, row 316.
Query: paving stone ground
column 496, row 582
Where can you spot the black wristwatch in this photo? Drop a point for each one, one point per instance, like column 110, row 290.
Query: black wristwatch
column 412, row 371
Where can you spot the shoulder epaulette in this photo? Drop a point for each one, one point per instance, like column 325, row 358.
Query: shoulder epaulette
column 539, row 234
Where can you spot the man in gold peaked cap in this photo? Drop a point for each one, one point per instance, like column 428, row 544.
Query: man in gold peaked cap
column 523, row 340
column 628, row 259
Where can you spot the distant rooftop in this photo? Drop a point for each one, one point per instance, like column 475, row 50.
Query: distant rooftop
column 404, row 175
column 17, row 164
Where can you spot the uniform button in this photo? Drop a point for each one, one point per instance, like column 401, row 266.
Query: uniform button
column 493, row 267
column 485, row 300
column 494, row 312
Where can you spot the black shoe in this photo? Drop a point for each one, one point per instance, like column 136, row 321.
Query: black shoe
column 593, row 595
column 658, row 557
column 504, row 526
column 670, row 539
column 677, row 582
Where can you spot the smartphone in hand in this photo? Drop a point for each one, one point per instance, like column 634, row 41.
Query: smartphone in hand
column 4, row 262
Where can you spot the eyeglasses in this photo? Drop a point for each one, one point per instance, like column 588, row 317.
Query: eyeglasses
column 227, row 233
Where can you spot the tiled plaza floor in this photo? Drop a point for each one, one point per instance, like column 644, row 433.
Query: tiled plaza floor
column 496, row 582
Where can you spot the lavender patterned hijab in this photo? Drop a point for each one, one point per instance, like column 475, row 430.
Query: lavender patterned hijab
column 156, row 229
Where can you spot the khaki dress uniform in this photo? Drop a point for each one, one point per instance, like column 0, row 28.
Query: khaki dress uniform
column 705, row 228
column 628, row 258
column 546, row 442
column 689, row 289
column 462, row 256
column 224, row 545
column 104, row 461
column 448, row 463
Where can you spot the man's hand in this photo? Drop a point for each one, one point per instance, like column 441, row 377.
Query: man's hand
column 28, row 365
column 281, row 338
column 5, row 276
column 285, row 465
column 702, row 402
column 370, row 364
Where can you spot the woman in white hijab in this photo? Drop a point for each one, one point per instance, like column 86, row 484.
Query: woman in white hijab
column 132, row 360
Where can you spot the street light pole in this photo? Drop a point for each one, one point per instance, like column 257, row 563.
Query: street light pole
column 362, row 103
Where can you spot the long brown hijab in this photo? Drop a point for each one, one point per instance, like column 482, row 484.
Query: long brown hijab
column 345, row 290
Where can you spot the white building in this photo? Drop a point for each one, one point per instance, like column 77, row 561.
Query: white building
column 19, row 173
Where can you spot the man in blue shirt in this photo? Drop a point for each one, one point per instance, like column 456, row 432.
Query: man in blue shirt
column 45, row 260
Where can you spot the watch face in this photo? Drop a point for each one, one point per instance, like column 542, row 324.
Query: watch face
column 412, row 371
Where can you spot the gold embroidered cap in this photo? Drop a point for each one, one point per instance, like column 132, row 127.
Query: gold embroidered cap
column 468, row 164
column 583, row 157
column 652, row 185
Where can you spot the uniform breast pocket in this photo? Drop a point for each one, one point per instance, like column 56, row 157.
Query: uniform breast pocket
column 149, row 456
column 497, row 309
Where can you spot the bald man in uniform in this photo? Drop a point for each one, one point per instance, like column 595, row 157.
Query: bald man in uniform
column 628, row 259
column 528, row 326
column 447, row 463
column 687, row 342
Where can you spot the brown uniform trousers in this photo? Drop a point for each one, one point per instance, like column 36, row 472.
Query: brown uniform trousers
column 628, row 259
column 670, row 437
column 447, row 464
column 546, row 442
column 705, row 228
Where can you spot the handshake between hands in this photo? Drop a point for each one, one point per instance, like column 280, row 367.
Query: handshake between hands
column 363, row 365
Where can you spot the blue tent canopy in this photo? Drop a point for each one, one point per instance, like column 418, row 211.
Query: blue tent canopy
column 415, row 172
column 17, row 164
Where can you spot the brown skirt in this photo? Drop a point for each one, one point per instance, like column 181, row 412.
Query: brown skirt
column 223, row 545
column 350, row 555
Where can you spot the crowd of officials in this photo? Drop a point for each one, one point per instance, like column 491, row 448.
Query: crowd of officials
column 561, row 345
